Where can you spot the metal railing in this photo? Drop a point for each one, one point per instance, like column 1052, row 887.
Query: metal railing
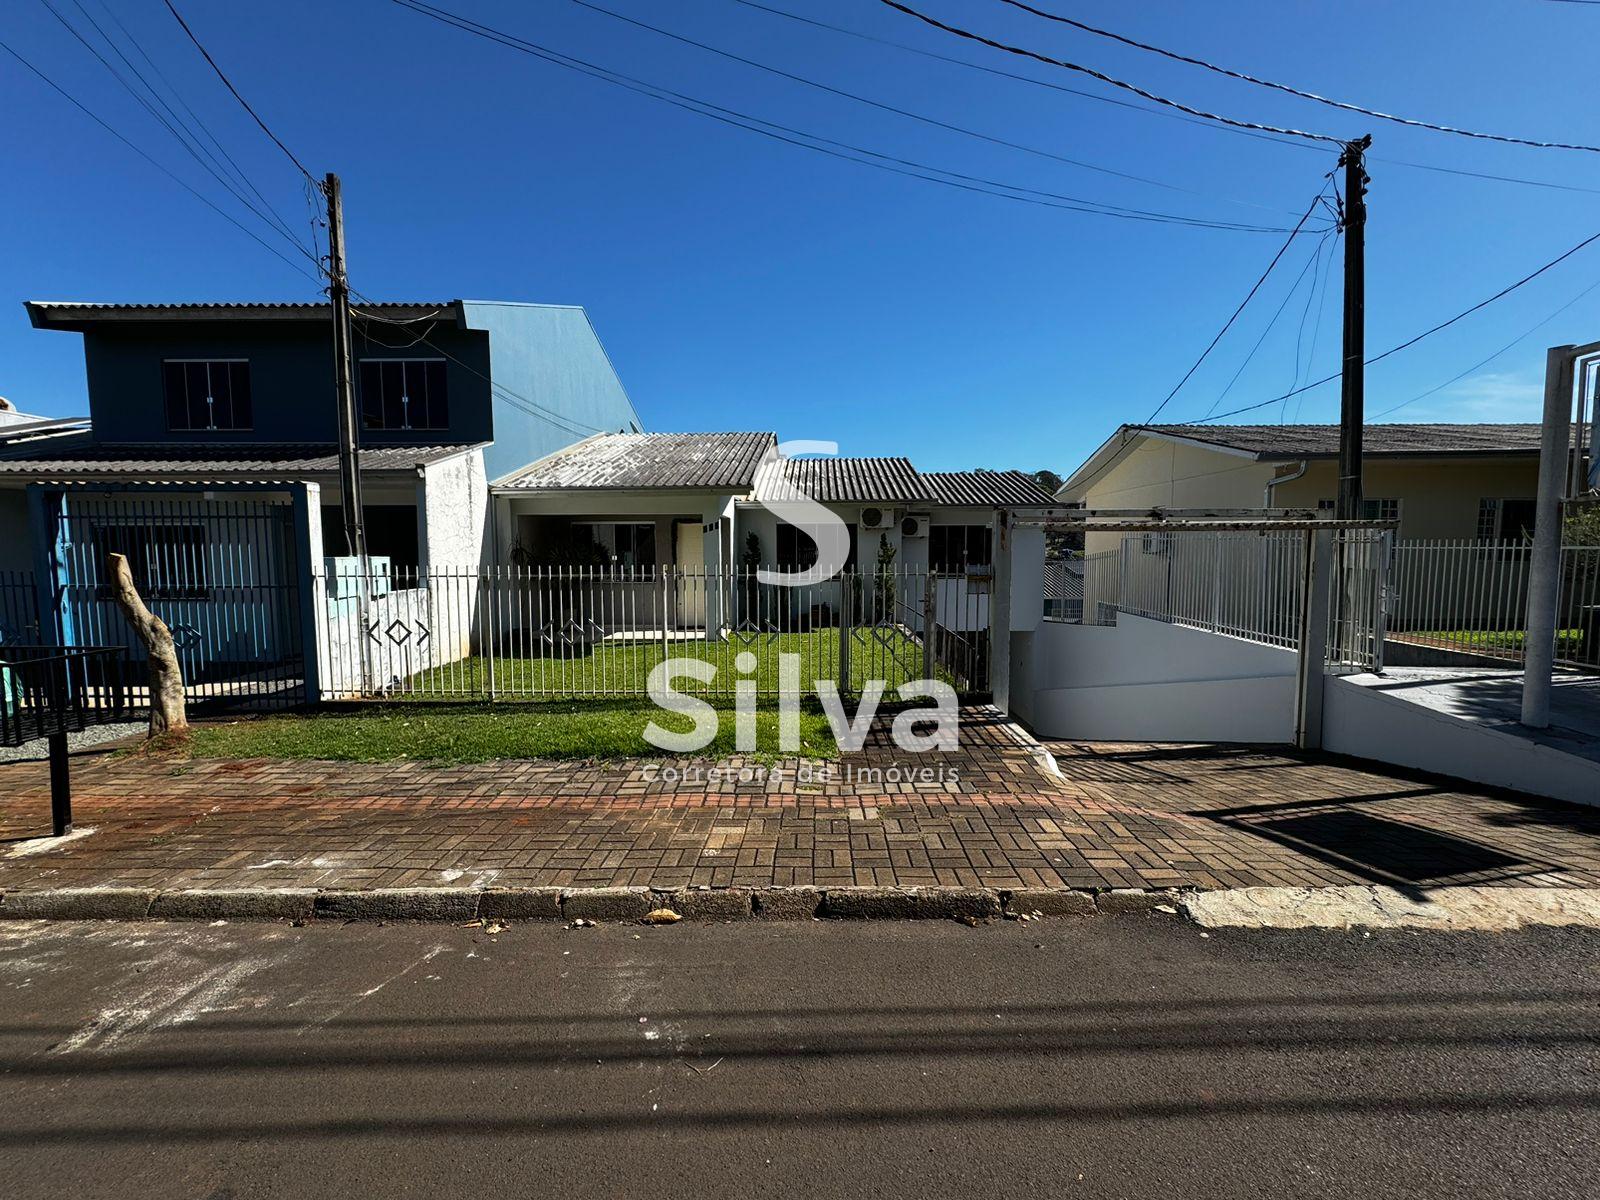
column 1464, row 603
column 48, row 690
column 515, row 632
column 1242, row 584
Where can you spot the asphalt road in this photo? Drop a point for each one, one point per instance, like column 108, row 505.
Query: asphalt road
column 1115, row 1057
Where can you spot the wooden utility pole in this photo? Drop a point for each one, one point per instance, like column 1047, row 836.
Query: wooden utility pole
column 343, row 383
column 1352, row 397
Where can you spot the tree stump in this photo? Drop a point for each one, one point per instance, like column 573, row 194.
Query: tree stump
column 166, row 675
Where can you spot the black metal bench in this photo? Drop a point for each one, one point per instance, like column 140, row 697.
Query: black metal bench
column 51, row 691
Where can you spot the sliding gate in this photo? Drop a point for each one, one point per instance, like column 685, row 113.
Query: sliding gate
column 221, row 570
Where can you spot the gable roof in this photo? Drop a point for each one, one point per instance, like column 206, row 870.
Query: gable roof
column 705, row 461
column 987, row 489
column 1294, row 443
column 1322, row 441
column 848, row 480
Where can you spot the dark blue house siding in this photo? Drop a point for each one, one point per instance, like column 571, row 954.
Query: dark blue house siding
column 291, row 379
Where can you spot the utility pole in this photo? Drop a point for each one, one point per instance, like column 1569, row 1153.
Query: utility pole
column 343, row 383
column 1352, row 396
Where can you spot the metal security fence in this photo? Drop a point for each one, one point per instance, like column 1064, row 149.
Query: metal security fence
column 1247, row 584
column 1465, row 602
column 222, row 571
column 512, row 632
column 19, row 608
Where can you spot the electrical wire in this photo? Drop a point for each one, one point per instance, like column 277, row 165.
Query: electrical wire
column 1234, row 316
column 1483, row 362
column 177, row 95
column 1300, row 333
column 1314, row 257
column 815, row 142
column 1293, row 91
column 157, row 164
column 878, row 104
column 515, row 398
column 1146, row 109
column 1316, row 333
column 191, row 148
column 1409, row 342
column 228, row 83
column 957, row 31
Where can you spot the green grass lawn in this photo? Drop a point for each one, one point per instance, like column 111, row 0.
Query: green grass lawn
column 1504, row 640
column 481, row 732
column 624, row 667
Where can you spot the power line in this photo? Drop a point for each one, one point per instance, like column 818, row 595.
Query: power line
column 1409, row 342
column 157, row 164
column 1108, row 79
column 1315, row 257
column 1293, row 91
column 516, row 399
column 878, row 104
column 178, row 96
column 228, row 83
column 816, row 142
column 1145, row 109
column 1234, row 316
column 168, row 125
column 1483, row 362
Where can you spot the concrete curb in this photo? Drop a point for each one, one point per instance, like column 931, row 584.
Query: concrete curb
column 625, row 904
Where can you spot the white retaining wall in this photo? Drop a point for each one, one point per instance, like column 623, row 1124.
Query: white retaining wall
column 1144, row 680
column 1369, row 723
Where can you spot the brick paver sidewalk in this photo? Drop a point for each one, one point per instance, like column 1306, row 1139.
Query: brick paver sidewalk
column 1119, row 816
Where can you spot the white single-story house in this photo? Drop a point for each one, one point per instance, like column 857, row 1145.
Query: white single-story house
column 699, row 503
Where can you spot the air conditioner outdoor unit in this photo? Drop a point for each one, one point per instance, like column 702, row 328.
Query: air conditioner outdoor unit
column 876, row 518
column 914, row 525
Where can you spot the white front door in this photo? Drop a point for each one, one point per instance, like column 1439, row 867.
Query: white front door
column 691, row 565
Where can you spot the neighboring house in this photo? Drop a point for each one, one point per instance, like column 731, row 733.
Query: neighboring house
column 211, row 457
column 694, row 502
column 1439, row 481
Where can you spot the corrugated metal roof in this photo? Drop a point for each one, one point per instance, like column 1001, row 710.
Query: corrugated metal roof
column 76, row 314
column 987, row 489
column 86, row 460
column 1322, row 441
column 848, row 480
column 706, row 461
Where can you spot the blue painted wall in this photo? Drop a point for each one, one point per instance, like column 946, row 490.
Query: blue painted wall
column 549, row 358
column 291, row 380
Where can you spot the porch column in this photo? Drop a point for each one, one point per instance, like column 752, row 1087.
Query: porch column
column 306, row 511
column 716, row 527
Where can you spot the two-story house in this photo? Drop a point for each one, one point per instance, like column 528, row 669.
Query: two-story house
column 211, row 458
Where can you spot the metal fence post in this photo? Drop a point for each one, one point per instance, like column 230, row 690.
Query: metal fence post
column 930, row 624
column 845, row 584
column 1309, row 668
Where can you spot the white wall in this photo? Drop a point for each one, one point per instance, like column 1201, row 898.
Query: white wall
column 1144, row 680
column 1363, row 721
column 452, row 506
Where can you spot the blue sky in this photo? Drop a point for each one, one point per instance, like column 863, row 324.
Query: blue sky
column 742, row 283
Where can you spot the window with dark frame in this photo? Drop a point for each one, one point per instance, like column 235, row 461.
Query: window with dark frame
column 399, row 394
column 954, row 549
column 169, row 562
column 1506, row 520
column 797, row 551
column 207, row 394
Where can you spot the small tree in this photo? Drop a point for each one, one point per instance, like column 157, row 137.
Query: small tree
column 883, row 584
column 1582, row 525
column 167, row 713
column 749, row 560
